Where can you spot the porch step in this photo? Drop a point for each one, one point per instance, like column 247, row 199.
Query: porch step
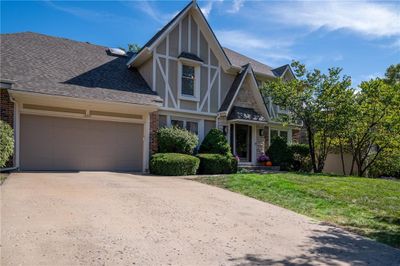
column 259, row 168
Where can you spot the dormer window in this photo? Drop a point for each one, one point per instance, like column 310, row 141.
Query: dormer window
column 188, row 80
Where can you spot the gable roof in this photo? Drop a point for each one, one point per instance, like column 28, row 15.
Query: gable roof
column 49, row 65
column 144, row 52
column 234, row 88
column 237, row 59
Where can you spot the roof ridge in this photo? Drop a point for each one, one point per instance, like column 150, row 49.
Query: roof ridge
column 224, row 47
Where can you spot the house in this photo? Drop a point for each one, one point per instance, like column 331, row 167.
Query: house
column 79, row 106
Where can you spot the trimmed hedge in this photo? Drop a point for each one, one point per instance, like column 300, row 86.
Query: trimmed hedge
column 176, row 140
column 217, row 164
column 215, row 142
column 6, row 143
column 280, row 153
column 173, row 164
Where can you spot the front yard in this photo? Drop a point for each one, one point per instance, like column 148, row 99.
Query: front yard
column 369, row 207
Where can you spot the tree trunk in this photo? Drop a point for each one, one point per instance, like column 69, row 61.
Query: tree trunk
column 310, row 138
column 342, row 157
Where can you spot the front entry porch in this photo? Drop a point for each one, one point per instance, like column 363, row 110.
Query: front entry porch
column 243, row 142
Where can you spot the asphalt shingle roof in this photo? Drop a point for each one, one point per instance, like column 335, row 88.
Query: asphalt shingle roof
column 280, row 70
column 57, row 66
column 239, row 60
column 190, row 56
column 245, row 114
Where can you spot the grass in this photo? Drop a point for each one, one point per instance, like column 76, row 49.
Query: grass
column 3, row 177
column 369, row 207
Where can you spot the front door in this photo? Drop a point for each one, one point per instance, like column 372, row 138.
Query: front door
column 243, row 142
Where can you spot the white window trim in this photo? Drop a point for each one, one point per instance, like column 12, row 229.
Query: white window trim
column 200, row 124
column 196, row 97
column 288, row 130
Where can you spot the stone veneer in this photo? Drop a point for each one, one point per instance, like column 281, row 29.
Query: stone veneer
column 7, row 114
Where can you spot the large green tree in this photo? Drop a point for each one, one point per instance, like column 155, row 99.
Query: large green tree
column 374, row 127
column 320, row 100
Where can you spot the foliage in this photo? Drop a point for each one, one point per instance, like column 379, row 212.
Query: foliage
column 300, row 157
column 173, row 164
column 211, row 163
column 392, row 75
column 133, row 47
column 387, row 165
column 320, row 101
column 176, row 140
column 215, row 142
column 263, row 158
column 374, row 126
column 370, row 207
column 279, row 153
column 6, row 143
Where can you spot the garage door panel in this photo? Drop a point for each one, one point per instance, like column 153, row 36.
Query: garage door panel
column 53, row 143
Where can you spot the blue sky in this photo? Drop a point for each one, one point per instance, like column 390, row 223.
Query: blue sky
column 362, row 37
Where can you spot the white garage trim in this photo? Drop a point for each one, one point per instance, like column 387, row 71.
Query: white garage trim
column 20, row 99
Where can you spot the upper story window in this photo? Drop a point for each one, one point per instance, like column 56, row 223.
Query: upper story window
column 188, row 80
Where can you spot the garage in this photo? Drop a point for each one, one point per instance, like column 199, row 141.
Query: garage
column 50, row 143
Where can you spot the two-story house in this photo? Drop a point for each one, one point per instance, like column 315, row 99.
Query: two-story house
column 78, row 106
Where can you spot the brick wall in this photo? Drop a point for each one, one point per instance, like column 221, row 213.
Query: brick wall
column 7, row 114
column 6, row 108
column 153, row 132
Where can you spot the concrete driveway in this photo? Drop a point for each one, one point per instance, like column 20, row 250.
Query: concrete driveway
column 126, row 219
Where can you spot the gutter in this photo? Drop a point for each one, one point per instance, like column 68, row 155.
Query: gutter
column 9, row 169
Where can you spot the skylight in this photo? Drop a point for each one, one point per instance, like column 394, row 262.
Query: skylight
column 117, row 51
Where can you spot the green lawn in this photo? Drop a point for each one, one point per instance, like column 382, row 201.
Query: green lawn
column 370, row 207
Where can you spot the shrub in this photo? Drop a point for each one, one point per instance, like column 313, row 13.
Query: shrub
column 215, row 142
column 6, row 143
column 300, row 157
column 211, row 163
column 279, row 153
column 387, row 165
column 176, row 140
column 173, row 164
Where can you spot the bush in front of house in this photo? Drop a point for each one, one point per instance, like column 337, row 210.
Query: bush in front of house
column 6, row 143
column 173, row 164
column 215, row 142
column 279, row 153
column 176, row 140
column 300, row 157
column 212, row 163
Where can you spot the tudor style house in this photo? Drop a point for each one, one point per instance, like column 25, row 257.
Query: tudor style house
column 79, row 106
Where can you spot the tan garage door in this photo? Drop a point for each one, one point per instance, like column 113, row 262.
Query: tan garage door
column 66, row 144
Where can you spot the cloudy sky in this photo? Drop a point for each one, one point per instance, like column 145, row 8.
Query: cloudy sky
column 362, row 37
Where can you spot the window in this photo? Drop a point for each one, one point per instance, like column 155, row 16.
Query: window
column 188, row 125
column 188, row 80
column 192, row 127
column 281, row 133
column 177, row 123
column 284, row 135
column 274, row 133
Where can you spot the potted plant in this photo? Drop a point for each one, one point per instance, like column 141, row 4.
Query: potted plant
column 263, row 159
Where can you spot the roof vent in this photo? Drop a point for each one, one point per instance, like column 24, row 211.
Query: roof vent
column 116, row 51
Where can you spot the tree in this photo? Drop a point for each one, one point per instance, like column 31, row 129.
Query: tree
column 6, row 143
column 133, row 47
column 392, row 75
column 375, row 123
column 319, row 100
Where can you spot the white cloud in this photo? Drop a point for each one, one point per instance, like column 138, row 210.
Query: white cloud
column 368, row 18
column 207, row 9
column 271, row 51
column 237, row 5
